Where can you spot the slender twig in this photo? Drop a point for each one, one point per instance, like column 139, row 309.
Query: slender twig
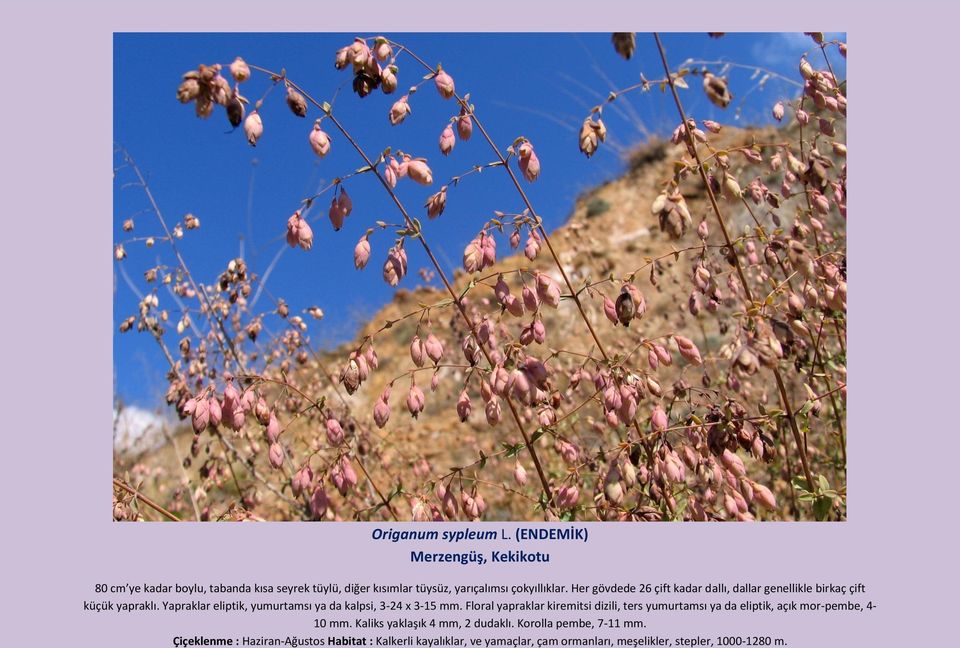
column 755, row 68
column 383, row 500
column 183, row 471
column 146, row 500
column 183, row 264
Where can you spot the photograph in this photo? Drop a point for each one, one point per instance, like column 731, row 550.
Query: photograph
column 479, row 276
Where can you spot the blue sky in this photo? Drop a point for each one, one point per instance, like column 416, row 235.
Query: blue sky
column 537, row 85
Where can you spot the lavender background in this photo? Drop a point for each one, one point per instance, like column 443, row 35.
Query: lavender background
column 56, row 267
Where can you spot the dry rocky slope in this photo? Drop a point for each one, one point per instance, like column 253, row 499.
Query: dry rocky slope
column 611, row 232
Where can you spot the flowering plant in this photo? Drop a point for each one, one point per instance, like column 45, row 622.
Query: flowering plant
column 707, row 382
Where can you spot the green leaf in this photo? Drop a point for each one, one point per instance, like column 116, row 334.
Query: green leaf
column 536, row 435
column 821, row 508
column 824, row 484
column 512, row 450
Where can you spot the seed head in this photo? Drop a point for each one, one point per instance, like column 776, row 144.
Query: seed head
column 732, row 462
column 688, row 349
column 319, row 140
column 395, row 267
column 712, row 126
column 216, row 412
column 276, row 455
column 548, row 290
column 343, row 476
column 444, row 84
column 625, row 43
column 334, row 432
column 520, row 474
column 273, row 429
column 528, row 161
column 492, row 411
column 613, row 486
column 296, row 102
column 350, row 376
column 235, row 111
column 764, row 496
column 319, row 502
column 464, row 407
column 610, row 310
column 717, row 91
column 415, row 400
column 419, row 172
column 433, row 348
column 201, row 415
column 367, row 81
column 447, row 140
column 361, row 253
column 658, row 420
column 778, row 110
column 188, row 91
column 253, row 127
column 299, row 232
column 240, row 70
column 399, row 110
column 568, row 496
column 381, row 411
column 388, row 79
column 342, row 58
column 382, row 49
column 416, row 350
column 436, row 203
column 530, row 300
column 591, row 134
column 625, row 307
column 301, row 481
column 464, row 125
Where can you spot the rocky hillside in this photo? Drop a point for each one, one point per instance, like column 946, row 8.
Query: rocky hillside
column 611, row 233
